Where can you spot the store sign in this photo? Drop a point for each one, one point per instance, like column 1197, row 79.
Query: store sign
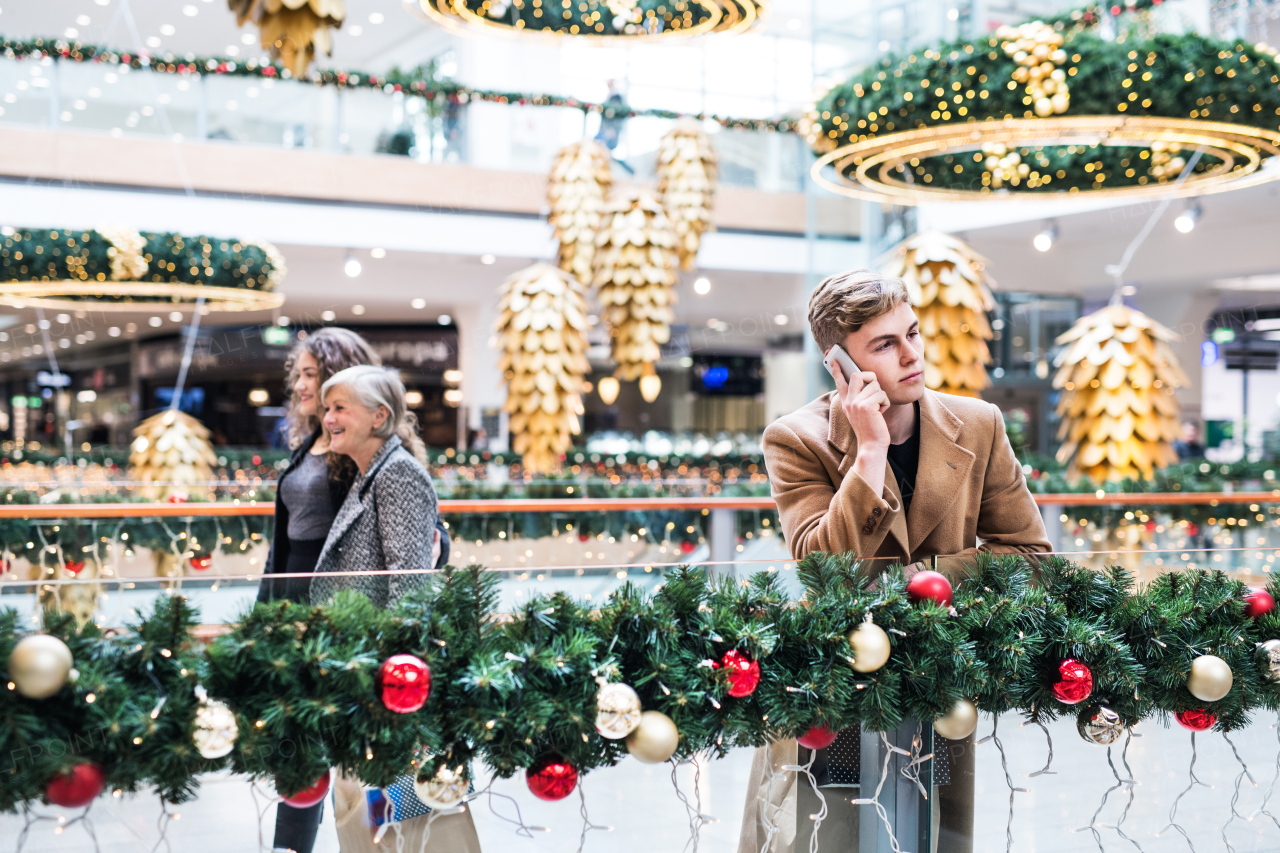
column 1208, row 353
column 420, row 348
column 52, row 380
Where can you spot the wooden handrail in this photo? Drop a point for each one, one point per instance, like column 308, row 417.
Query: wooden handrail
column 487, row 505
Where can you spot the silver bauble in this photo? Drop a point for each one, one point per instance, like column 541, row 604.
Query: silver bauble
column 1210, row 678
column 655, row 739
column 959, row 723
column 39, row 665
column 216, row 730
column 1099, row 724
column 617, row 711
column 1272, row 648
column 446, row 789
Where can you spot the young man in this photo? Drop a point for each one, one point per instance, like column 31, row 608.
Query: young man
column 892, row 472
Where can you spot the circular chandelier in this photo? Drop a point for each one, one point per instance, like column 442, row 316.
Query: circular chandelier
column 1052, row 109
column 601, row 19
column 119, row 269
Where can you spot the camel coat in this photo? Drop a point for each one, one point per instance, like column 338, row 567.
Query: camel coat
column 970, row 496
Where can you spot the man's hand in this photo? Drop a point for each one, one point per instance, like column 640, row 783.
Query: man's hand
column 864, row 405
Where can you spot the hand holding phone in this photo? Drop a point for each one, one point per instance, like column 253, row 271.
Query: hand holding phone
column 861, row 398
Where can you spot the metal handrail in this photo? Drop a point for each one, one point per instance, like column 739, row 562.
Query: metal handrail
column 492, row 505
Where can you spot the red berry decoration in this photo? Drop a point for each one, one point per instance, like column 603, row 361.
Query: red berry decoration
column 1197, row 719
column 551, row 778
column 744, row 673
column 1074, row 684
column 77, row 787
column 309, row 796
column 818, row 737
column 931, row 586
column 1258, row 603
column 405, row 681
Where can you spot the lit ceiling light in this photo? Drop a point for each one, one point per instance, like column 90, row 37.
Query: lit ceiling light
column 418, row 304
column 71, row 32
column 608, row 388
column 355, row 31
column 114, row 331
column 953, row 14
column 175, row 316
column 167, row 29
column 453, row 376
column 488, row 260
column 1128, row 290
column 190, row 11
column 378, row 253
column 88, row 395
column 282, row 320
column 63, row 318
column 884, row 46
column 328, row 316
column 1044, row 240
column 650, row 387
column 1187, row 220
column 351, row 266
column 453, row 397
column 259, row 397
column 702, row 286
column 358, row 310
column 248, row 38
column 153, row 41
column 155, row 322
column 444, row 320
column 413, row 399
column 780, row 320
column 376, row 18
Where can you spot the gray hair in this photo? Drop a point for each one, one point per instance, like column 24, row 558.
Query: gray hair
column 373, row 387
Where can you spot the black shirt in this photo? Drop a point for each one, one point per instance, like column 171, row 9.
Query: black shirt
column 904, row 459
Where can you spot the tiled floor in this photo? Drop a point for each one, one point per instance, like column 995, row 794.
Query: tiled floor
column 640, row 803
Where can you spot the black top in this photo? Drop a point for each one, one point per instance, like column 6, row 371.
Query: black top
column 904, row 459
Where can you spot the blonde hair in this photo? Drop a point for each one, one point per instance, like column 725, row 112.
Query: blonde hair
column 843, row 303
column 377, row 387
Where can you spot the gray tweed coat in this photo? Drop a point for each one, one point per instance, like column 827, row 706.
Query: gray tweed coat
column 385, row 525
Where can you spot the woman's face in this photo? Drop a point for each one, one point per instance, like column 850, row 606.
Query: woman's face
column 350, row 424
column 307, row 385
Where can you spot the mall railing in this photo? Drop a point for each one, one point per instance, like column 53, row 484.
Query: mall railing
column 90, row 96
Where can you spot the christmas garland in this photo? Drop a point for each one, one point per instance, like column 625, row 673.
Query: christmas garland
column 120, row 256
column 556, row 689
column 393, row 81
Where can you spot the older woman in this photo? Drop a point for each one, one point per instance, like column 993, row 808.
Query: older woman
column 387, row 522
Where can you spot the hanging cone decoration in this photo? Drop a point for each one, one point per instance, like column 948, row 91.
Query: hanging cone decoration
column 687, row 168
column 576, row 190
column 1119, row 413
column 635, row 270
column 542, row 327
column 172, row 449
column 951, row 292
column 293, row 31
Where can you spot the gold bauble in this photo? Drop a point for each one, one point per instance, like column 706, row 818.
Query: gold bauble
column 447, row 788
column 959, row 722
column 870, row 645
column 655, row 739
column 577, row 187
column 39, row 665
column 1210, row 678
column 617, row 711
column 216, row 730
column 687, row 169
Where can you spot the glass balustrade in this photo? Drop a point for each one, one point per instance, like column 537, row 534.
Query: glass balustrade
column 131, row 103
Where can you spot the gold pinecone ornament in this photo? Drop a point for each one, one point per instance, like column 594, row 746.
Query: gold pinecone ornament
column 294, row 31
column 635, row 271
column 1119, row 413
column 951, row 293
column 687, row 169
column 542, row 327
column 577, row 189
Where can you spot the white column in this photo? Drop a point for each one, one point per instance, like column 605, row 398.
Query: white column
column 482, row 385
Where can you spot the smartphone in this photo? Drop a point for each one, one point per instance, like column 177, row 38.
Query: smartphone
column 837, row 356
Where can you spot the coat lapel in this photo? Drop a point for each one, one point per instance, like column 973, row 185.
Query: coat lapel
column 944, row 468
column 840, row 434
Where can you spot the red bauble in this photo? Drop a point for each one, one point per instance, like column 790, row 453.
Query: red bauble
column 687, row 547
column 1074, row 684
column 929, row 585
column 1258, row 602
column 405, row 681
column 75, row 567
column 1197, row 719
column 308, row 797
column 818, row 737
column 551, row 778
column 743, row 672
column 76, row 788
column 200, row 562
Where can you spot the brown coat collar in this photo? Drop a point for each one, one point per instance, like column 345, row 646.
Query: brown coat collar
column 944, row 467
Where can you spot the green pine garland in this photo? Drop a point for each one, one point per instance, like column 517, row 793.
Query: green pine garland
column 302, row 680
